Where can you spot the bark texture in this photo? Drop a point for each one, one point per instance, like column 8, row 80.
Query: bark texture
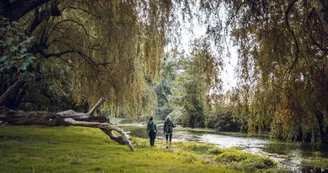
column 66, row 118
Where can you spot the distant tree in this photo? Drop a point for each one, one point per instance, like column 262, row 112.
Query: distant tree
column 200, row 79
column 164, row 89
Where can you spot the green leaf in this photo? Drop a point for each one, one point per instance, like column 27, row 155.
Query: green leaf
column 22, row 56
column 23, row 67
column 28, row 40
column 9, row 41
column 14, row 23
column 13, row 48
column 9, row 27
column 2, row 68
column 22, row 50
column 30, row 58
column 3, row 58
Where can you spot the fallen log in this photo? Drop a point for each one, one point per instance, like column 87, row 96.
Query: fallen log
column 66, row 118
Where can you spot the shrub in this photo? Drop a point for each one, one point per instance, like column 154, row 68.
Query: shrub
column 187, row 157
column 227, row 123
column 229, row 157
column 245, row 161
column 216, row 151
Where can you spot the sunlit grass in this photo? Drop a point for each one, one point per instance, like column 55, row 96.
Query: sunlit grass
column 77, row 149
column 232, row 157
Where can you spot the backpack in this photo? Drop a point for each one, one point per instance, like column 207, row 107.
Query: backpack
column 169, row 127
column 151, row 126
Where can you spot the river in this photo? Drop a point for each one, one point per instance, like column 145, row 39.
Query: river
column 288, row 155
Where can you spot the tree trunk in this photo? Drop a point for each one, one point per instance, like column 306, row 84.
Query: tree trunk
column 2, row 83
column 18, row 8
column 9, row 98
column 66, row 118
column 321, row 10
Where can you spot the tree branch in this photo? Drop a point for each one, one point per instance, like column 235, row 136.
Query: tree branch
column 19, row 8
column 83, row 10
column 289, row 7
column 7, row 97
column 72, row 21
column 105, row 127
column 57, row 54
column 101, row 101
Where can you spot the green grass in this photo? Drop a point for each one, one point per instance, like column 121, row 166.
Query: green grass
column 316, row 162
column 232, row 157
column 77, row 149
column 196, row 129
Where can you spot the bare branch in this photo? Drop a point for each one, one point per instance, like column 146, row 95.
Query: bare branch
column 107, row 128
column 277, row 41
column 72, row 21
column 101, row 101
column 57, row 54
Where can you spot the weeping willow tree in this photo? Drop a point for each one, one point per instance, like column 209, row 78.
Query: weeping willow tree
column 283, row 59
column 98, row 48
column 86, row 50
column 130, row 37
column 130, row 54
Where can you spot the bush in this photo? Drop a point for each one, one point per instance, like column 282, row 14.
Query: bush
column 216, row 151
column 139, row 142
column 226, row 123
column 201, row 148
column 229, row 157
column 245, row 161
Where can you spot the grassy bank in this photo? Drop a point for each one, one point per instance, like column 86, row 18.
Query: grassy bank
column 76, row 149
column 316, row 162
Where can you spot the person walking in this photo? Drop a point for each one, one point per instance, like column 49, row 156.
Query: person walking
column 168, row 130
column 152, row 130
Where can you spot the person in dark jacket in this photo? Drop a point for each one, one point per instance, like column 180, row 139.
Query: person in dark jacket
column 152, row 130
column 168, row 130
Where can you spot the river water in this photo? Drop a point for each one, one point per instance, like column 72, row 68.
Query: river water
column 288, row 155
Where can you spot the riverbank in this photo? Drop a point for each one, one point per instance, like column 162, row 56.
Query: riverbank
column 76, row 149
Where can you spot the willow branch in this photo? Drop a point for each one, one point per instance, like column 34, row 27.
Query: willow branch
column 289, row 7
column 83, row 10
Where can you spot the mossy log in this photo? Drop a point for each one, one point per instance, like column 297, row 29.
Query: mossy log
column 66, row 118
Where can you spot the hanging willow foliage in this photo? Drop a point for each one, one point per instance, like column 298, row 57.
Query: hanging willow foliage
column 114, row 49
column 131, row 48
column 282, row 61
column 283, row 52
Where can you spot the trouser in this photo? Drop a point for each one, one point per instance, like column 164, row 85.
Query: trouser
column 152, row 136
column 168, row 136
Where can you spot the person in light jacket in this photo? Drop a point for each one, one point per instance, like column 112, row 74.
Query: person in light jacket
column 168, row 131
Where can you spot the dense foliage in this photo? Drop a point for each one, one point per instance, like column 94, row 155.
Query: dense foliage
column 283, row 52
